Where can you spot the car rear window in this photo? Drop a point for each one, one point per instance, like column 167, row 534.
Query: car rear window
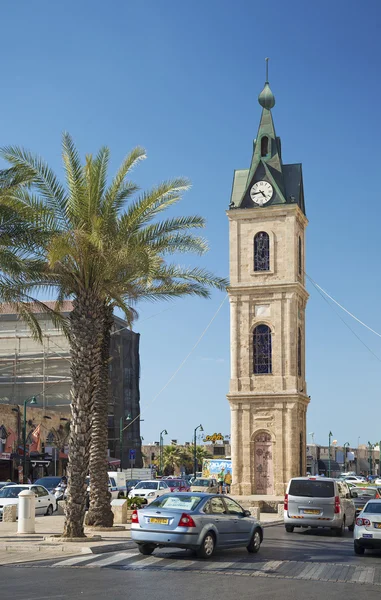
column 373, row 507
column 183, row 502
column 311, row 488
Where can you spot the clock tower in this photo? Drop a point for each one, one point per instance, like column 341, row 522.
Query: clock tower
column 268, row 394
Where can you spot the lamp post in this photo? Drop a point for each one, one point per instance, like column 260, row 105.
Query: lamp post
column 329, row 453
column 31, row 401
column 121, row 421
column 345, row 454
column 370, row 448
column 164, row 432
column 200, row 427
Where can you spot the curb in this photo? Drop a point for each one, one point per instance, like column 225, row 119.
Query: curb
column 272, row 523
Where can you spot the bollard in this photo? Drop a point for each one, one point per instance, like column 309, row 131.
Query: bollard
column 27, row 512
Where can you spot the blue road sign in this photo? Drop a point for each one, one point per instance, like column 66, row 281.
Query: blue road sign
column 132, row 454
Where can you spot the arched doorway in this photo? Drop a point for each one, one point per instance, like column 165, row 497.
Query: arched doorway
column 263, row 464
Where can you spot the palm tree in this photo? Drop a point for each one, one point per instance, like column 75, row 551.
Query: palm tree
column 101, row 254
column 172, row 458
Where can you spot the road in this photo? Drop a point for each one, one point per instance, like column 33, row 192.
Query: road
column 304, row 564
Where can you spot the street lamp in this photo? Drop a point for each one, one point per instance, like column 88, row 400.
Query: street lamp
column 121, row 421
column 200, row 427
column 329, row 453
column 32, row 401
column 165, row 432
column 345, row 446
column 370, row 447
column 312, row 434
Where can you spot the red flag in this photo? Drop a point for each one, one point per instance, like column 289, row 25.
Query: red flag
column 36, row 436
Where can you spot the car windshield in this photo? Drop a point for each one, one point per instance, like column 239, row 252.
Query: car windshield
column 174, row 483
column 311, row 488
column 48, row 482
column 373, row 507
column 146, row 485
column 202, row 482
column 11, row 492
column 363, row 492
column 183, row 502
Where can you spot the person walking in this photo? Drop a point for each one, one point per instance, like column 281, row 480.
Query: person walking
column 228, row 481
column 221, row 479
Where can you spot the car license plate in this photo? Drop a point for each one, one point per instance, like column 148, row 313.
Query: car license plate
column 156, row 520
column 377, row 525
column 367, row 535
column 310, row 511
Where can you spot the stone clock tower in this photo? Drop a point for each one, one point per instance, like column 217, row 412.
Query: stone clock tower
column 268, row 394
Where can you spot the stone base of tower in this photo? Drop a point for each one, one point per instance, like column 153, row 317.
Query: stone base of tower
column 268, row 442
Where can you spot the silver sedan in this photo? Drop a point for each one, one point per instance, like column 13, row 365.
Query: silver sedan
column 195, row 521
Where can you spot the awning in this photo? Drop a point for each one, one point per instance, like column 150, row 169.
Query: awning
column 324, row 465
column 113, row 462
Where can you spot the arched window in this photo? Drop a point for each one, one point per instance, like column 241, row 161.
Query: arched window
column 300, row 255
column 261, row 252
column 264, row 145
column 262, row 350
column 299, row 352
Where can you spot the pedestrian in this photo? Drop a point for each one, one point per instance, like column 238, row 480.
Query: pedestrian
column 221, row 479
column 228, row 481
column 29, row 480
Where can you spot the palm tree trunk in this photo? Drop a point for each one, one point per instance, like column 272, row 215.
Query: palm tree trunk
column 86, row 333
column 100, row 513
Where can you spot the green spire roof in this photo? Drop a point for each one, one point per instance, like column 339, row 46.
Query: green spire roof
column 266, row 164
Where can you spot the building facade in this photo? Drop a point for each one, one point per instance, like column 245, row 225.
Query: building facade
column 29, row 368
column 268, row 394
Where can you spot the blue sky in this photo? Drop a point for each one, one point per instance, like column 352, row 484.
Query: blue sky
column 182, row 80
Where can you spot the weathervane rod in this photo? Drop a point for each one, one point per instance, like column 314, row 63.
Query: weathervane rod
column 267, row 70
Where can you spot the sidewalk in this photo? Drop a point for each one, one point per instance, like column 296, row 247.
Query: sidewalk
column 30, row 547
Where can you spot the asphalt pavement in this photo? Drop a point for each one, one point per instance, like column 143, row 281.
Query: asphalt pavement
column 304, row 564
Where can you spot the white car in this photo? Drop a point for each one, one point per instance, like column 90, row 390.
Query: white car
column 377, row 481
column 149, row 490
column 367, row 533
column 45, row 502
column 355, row 478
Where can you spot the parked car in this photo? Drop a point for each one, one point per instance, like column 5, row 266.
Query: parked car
column 45, row 501
column 50, row 483
column 367, row 534
column 195, row 521
column 361, row 495
column 207, row 486
column 6, row 483
column 178, row 485
column 318, row 502
column 377, row 481
column 355, row 478
column 130, row 484
column 149, row 490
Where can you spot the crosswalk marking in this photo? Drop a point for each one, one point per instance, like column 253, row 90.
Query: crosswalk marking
column 307, row 570
column 111, row 560
column 72, row 562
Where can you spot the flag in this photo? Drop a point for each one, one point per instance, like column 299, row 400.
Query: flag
column 36, row 437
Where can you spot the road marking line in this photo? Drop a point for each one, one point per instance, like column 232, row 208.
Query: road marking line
column 146, row 562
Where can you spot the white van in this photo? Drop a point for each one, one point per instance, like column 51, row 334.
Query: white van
column 119, row 479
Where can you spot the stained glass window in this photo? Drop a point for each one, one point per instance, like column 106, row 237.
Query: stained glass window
column 299, row 352
column 262, row 350
column 261, row 252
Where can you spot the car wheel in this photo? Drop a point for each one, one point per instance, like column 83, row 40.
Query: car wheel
column 340, row 530
column 358, row 549
column 146, row 549
column 255, row 542
column 49, row 512
column 352, row 527
column 207, row 547
column 120, row 495
column 289, row 528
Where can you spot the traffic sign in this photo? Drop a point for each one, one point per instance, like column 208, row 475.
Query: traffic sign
column 132, row 454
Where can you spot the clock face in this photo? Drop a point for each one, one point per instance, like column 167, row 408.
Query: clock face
column 261, row 192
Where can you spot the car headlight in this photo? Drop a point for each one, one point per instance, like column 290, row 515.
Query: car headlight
column 151, row 494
